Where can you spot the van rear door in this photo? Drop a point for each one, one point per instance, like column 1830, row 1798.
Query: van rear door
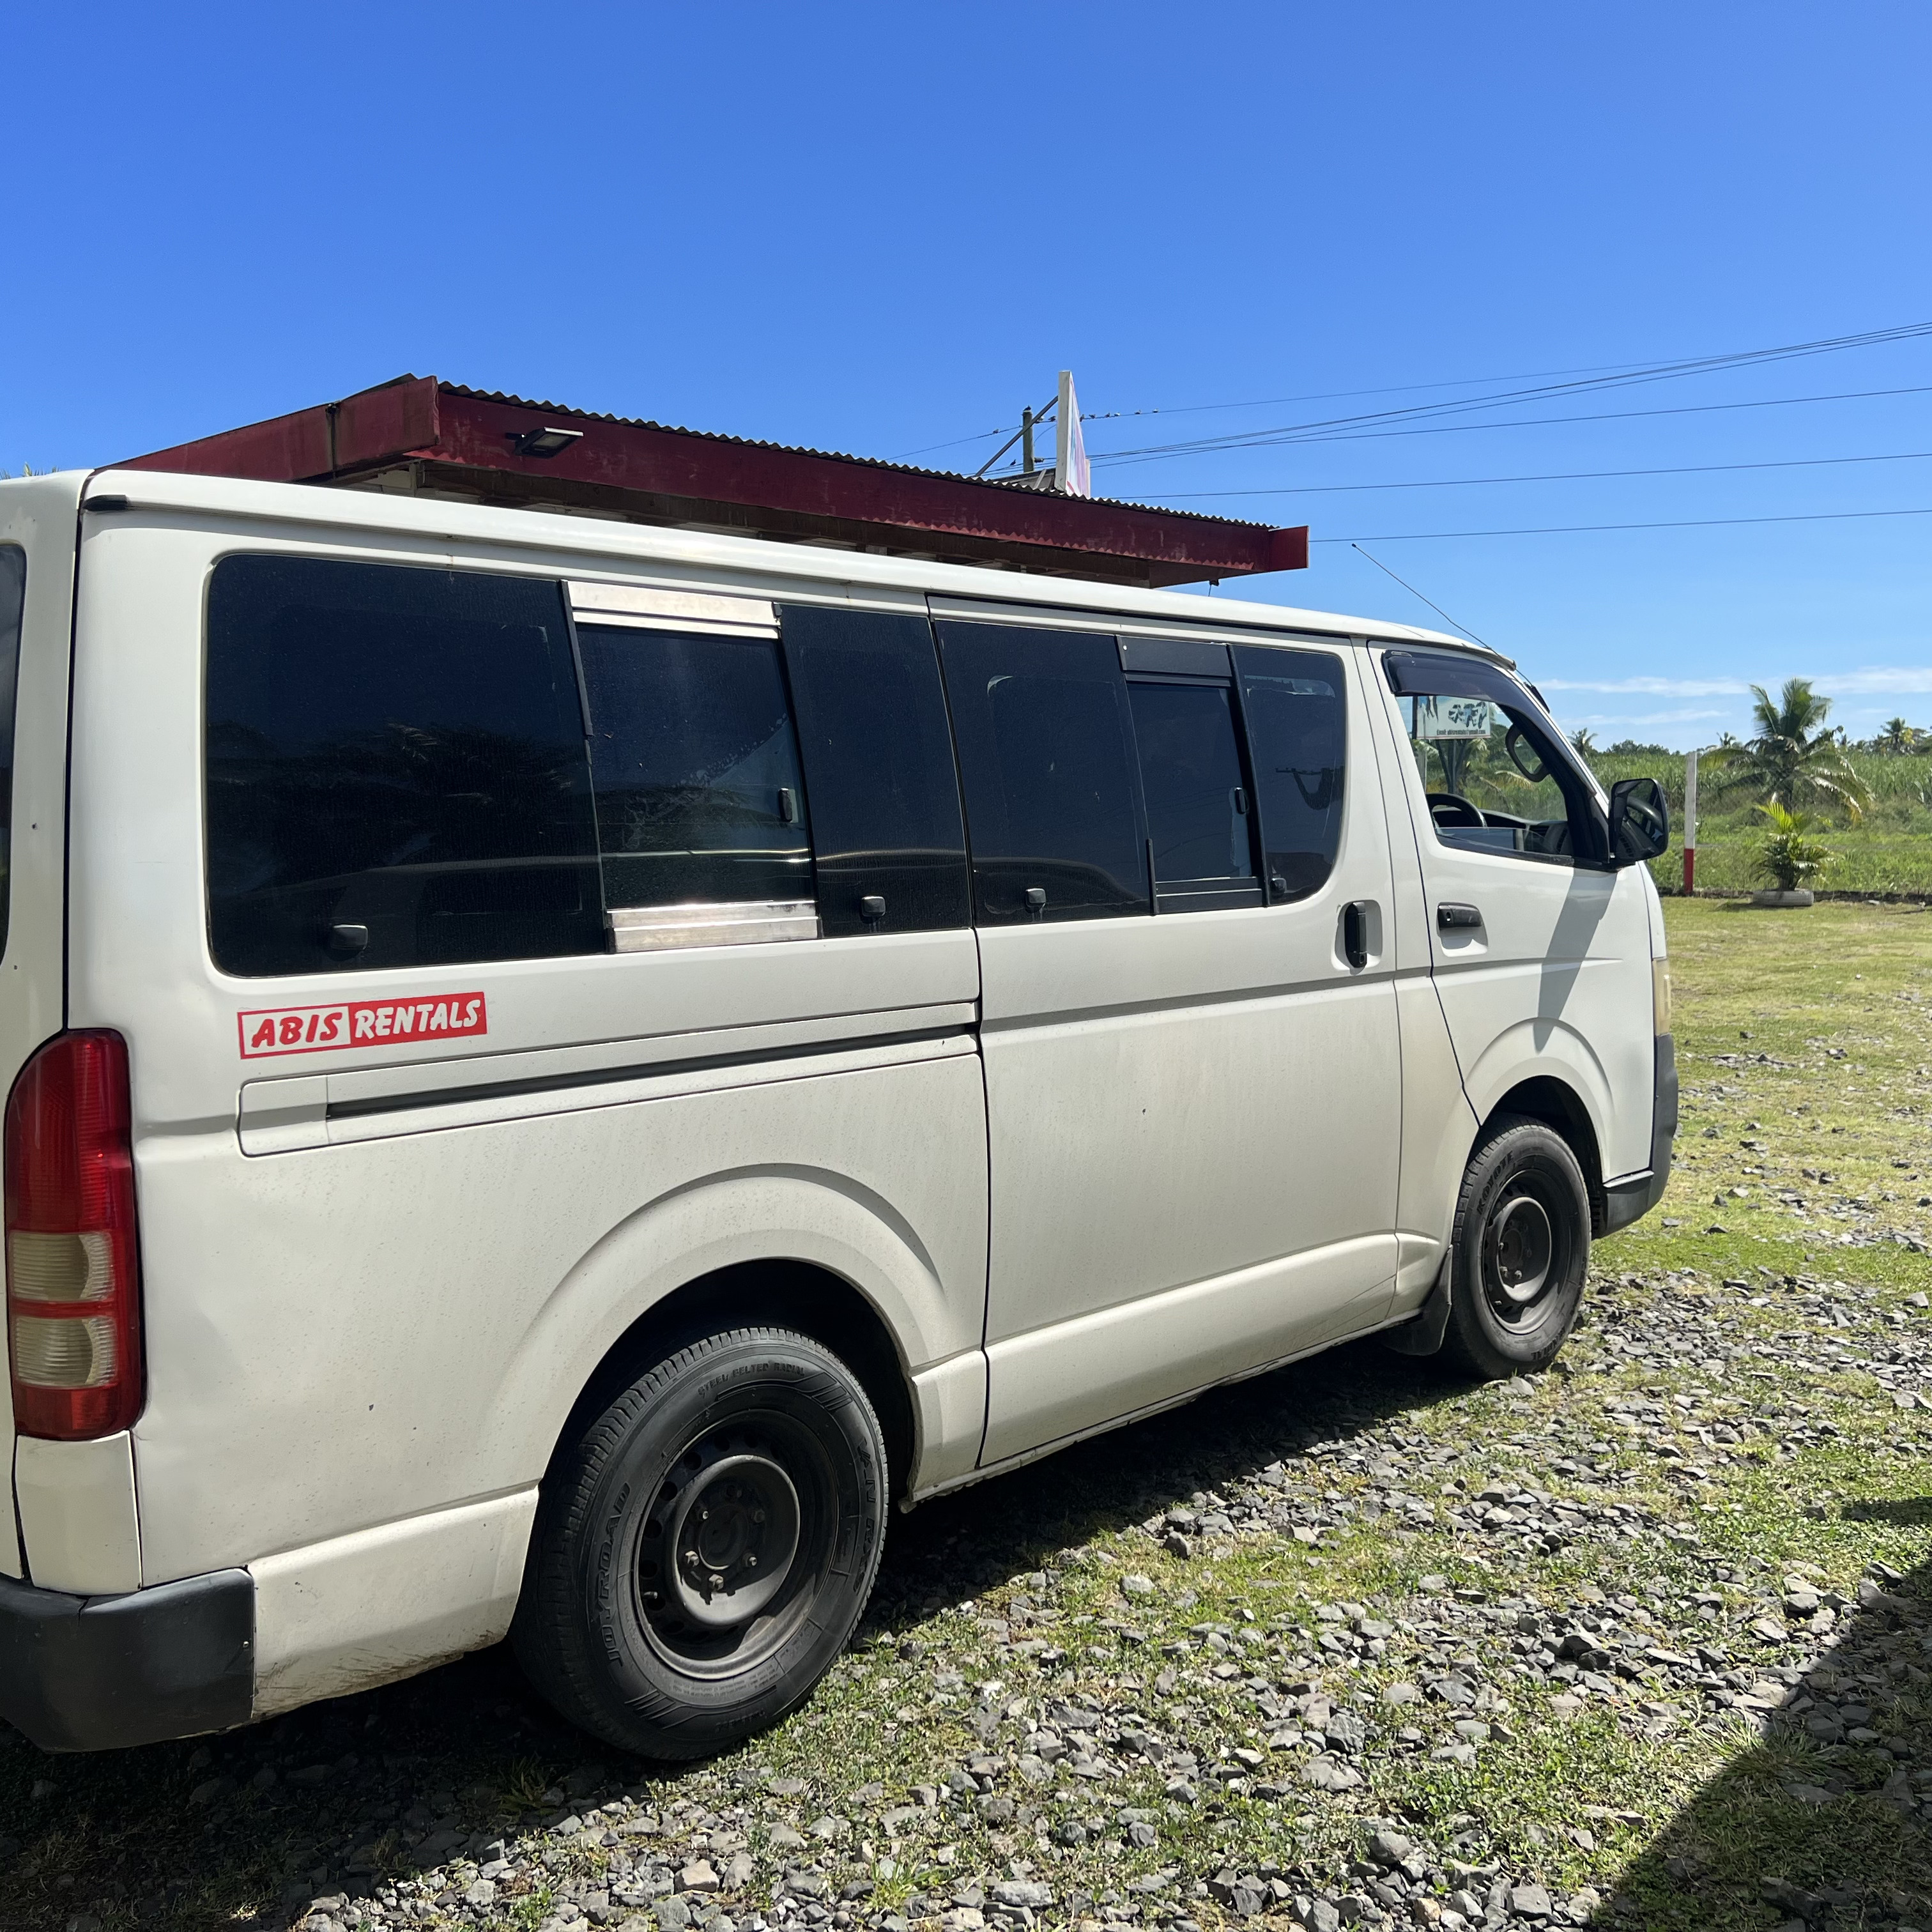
column 38, row 517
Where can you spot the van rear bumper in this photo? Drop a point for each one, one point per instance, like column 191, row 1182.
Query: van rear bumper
column 101, row 1673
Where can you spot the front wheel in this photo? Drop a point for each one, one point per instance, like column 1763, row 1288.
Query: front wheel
column 1521, row 1248
column 704, row 1550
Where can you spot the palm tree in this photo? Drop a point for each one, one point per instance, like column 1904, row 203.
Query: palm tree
column 1897, row 736
column 1584, row 740
column 1795, row 754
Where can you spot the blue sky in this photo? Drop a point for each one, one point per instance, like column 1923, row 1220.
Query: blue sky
column 883, row 228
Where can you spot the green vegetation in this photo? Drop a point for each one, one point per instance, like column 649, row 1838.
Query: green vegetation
column 1888, row 849
column 1790, row 856
column 1795, row 756
column 1877, row 795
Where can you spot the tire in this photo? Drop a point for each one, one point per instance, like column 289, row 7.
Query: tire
column 1521, row 1250
column 756, row 1455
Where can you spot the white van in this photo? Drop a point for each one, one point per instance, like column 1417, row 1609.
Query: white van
column 557, row 1070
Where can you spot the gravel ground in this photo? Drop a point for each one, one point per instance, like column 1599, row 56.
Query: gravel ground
column 1645, row 1641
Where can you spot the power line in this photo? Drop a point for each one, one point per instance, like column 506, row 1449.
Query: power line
column 1413, row 592
column 1558, row 476
column 1871, row 338
column 1656, row 373
column 1572, row 530
column 1538, row 422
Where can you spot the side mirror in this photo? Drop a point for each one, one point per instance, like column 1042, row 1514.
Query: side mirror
column 1640, row 821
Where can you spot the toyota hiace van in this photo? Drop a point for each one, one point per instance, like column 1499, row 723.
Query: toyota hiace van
column 558, row 1072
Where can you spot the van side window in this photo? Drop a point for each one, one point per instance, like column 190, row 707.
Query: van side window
column 1046, row 757
column 396, row 773
column 12, row 606
column 1298, row 739
column 889, row 842
column 1198, row 811
column 700, row 801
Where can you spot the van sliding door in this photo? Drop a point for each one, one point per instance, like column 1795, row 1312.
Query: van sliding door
column 1193, row 1092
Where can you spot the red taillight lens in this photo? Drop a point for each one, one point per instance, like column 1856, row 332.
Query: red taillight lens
column 73, row 1274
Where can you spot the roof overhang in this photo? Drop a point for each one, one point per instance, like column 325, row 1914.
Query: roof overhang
column 421, row 437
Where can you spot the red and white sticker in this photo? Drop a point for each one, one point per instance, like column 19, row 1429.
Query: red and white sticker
column 360, row 1023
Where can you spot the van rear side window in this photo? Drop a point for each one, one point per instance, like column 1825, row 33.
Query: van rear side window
column 1297, row 738
column 700, row 799
column 396, row 769
column 13, row 605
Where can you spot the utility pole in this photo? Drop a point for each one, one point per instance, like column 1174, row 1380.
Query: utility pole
column 1030, row 421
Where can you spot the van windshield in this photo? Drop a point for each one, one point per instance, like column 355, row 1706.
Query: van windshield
column 13, row 602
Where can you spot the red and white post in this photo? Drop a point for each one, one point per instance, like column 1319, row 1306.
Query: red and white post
column 1689, row 823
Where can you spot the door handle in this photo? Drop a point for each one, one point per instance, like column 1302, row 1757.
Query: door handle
column 1450, row 917
column 1355, row 933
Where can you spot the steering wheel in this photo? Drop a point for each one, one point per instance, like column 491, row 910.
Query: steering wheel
column 1459, row 810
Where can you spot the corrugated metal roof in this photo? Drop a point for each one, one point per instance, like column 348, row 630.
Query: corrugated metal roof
column 801, row 449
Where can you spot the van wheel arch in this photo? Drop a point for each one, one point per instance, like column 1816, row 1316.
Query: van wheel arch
column 801, row 1296
column 1560, row 1108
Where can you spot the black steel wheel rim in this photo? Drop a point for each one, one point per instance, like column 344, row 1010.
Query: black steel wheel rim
column 732, row 1544
column 1525, row 1251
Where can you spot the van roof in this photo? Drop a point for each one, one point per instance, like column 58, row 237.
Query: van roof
column 604, row 544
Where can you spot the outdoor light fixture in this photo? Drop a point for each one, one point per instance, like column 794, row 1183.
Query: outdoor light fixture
column 545, row 442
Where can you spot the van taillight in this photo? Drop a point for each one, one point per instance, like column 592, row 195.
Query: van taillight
column 73, row 1277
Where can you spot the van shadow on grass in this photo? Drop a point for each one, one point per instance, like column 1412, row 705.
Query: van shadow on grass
column 1824, row 1822
column 138, row 1839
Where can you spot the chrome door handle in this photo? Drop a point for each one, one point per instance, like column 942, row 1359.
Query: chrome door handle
column 1450, row 917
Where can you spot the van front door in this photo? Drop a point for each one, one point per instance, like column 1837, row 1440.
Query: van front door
column 1193, row 1090
column 1541, row 952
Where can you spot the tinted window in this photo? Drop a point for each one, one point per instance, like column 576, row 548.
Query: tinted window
column 13, row 602
column 1496, row 774
column 699, row 801
column 1046, row 757
column 889, row 843
column 1297, row 729
column 1196, row 793
column 396, row 769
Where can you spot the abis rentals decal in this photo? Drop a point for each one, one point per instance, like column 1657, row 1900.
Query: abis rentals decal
column 361, row 1023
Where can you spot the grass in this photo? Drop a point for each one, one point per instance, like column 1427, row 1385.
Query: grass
column 1805, row 1042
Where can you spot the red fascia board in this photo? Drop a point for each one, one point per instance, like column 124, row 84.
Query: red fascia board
column 477, row 430
column 399, row 418
column 285, row 449
column 418, row 416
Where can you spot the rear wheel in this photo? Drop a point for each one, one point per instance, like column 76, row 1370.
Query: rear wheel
column 705, row 1549
column 1521, row 1250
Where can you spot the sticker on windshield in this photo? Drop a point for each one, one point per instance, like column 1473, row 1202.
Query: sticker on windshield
column 361, row 1023
column 1437, row 718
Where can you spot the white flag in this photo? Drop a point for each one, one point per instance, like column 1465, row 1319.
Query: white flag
column 1071, row 472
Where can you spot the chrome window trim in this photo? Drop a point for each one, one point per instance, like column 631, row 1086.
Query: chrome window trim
column 751, row 922
column 637, row 606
